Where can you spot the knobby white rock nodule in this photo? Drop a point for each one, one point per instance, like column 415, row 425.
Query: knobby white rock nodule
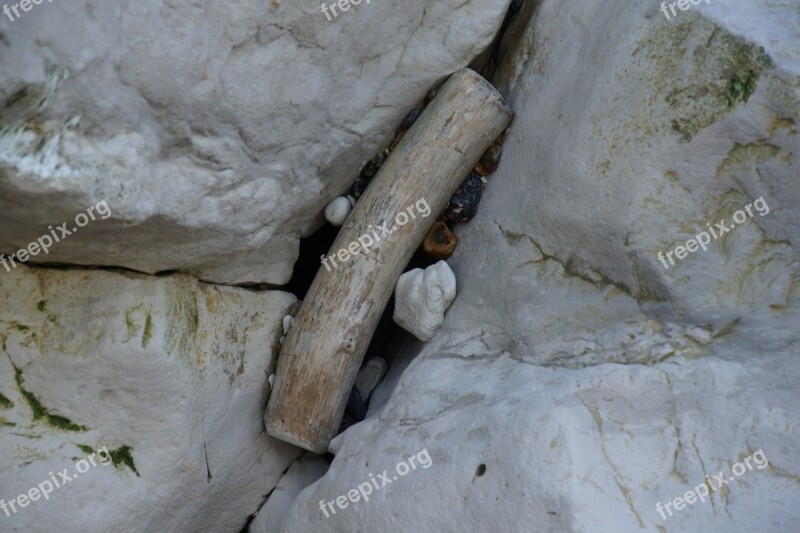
column 422, row 297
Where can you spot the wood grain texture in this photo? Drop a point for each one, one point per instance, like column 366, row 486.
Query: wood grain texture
column 326, row 343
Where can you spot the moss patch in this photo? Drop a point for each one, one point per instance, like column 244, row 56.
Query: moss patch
column 41, row 305
column 121, row 457
column 40, row 412
column 148, row 330
column 133, row 322
column 5, row 403
column 739, row 90
column 699, row 69
column 182, row 323
column 88, row 450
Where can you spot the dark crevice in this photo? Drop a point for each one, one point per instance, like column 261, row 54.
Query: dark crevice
column 309, row 262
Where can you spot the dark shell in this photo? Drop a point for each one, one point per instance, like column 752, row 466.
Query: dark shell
column 464, row 204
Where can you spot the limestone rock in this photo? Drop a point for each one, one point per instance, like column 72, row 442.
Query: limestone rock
column 217, row 134
column 672, row 125
column 422, row 297
column 517, row 447
column 577, row 383
column 301, row 474
column 169, row 374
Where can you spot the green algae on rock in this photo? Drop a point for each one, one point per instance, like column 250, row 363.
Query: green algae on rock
column 41, row 412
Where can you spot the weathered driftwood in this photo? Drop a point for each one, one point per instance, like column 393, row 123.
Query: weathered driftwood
column 324, row 348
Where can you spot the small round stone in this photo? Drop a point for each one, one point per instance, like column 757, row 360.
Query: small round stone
column 380, row 159
column 440, row 242
column 430, row 96
column 464, row 204
column 480, row 170
column 503, row 136
column 410, row 119
column 491, row 158
column 359, row 186
column 369, row 170
column 337, row 211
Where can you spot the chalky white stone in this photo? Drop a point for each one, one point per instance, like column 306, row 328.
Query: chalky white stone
column 337, row 211
column 422, row 297
column 576, row 383
column 172, row 369
column 216, row 133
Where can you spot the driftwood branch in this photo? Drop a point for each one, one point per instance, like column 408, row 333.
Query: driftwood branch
column 324, row 348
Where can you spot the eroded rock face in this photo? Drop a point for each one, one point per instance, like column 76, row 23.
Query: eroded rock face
column 653, row 129
column 169, row 374
column 217, row 135
column 516, row 447
column 576, row 383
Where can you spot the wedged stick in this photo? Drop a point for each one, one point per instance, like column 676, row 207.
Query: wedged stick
column 329, row 336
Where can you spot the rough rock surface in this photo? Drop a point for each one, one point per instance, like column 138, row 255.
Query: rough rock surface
column 421, row 298
column 167, row 373
column 576, row 382
column 217, row 133
column 517, row 447
column 667, row 125
column 302, row 473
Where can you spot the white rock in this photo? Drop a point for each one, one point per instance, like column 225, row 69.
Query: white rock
column 513, row 444
column 422, row 297
column 287, row 323
column 337, row 211
column 575, row 383
column 216, row 143
column 170, row 368
column 301, row 474
column 644, row 150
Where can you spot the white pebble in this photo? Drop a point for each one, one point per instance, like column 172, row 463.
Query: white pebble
column 287, row 321
column 338, row 210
